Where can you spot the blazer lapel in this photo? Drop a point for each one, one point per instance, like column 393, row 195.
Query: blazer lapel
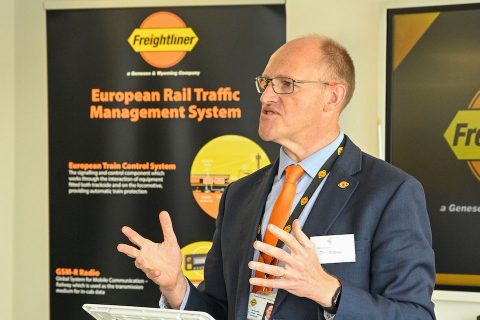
column 332, row 198
column 256, row 202
column 330, row 202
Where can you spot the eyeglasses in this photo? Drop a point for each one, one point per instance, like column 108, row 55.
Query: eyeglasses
column 281, row 85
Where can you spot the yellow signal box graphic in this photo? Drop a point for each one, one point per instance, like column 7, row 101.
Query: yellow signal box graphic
column 193, row 262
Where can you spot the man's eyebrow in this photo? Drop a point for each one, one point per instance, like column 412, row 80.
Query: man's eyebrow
column 276, row 76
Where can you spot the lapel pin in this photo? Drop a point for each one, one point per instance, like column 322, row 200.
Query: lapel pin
column 340, row 150
column 343, row 184
column 288, row 228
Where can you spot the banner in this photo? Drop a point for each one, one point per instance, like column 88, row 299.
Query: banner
column 434, row 127
column 150, row 109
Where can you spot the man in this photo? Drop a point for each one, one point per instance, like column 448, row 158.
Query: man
column 385, row 267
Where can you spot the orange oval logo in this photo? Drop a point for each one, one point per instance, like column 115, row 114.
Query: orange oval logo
column 304, row 201
column 163, row 39
column 322, row 174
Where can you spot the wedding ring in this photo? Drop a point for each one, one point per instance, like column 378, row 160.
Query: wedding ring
column 284, row 273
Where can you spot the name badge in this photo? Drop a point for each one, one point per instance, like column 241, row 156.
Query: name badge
column 335, row 248
column 260, row 305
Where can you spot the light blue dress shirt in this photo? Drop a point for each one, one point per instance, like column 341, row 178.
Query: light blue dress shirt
column 311, row 165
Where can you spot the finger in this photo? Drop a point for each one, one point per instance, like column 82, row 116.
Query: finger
column 140, row 264
column 167, row 227
column 268, row 283
column 300, row 235
column 286, row 238
column 130, row 251
column 140, row 261
column 267, row 268
column 133, row 236
column 274, row 252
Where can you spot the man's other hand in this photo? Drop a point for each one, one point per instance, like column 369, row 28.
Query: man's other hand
column 161, row 262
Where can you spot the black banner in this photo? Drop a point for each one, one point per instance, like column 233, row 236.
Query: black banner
column 434, row 127
column 149, row 109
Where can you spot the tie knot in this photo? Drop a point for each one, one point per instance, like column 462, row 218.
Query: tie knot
column 293, row 173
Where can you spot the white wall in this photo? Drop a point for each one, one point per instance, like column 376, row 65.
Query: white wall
column 456, row 305
column 359, row 25
column 6, row 158
column 31, row 164
column 355, row 25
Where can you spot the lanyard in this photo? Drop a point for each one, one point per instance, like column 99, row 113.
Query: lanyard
column 319, row 177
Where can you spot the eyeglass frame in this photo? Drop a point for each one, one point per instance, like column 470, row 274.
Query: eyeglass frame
column 269, row 80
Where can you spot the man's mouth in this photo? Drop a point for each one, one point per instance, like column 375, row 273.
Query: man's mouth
column 269, row 112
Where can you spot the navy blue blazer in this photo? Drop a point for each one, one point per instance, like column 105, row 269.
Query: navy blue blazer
column 394, row 273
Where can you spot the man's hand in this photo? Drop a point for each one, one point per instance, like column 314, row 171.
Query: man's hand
column 161, row 262
column 302, row 274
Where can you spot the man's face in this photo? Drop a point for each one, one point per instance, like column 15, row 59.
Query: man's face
column 295, row 118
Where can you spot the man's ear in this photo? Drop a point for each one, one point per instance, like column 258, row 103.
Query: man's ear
column 338, row 92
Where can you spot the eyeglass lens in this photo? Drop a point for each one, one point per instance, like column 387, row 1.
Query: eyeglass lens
column 280, row 85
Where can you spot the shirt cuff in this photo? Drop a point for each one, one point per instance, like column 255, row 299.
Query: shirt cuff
column 328, row 316
column 163, row 303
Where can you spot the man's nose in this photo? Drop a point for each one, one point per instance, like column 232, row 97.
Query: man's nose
column 269, row 94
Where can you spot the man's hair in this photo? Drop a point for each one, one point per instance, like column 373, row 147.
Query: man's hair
column 338, row 65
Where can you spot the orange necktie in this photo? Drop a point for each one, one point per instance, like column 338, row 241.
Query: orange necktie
column 280, row 213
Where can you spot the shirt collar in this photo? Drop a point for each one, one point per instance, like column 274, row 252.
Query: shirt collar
column 312, row 163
